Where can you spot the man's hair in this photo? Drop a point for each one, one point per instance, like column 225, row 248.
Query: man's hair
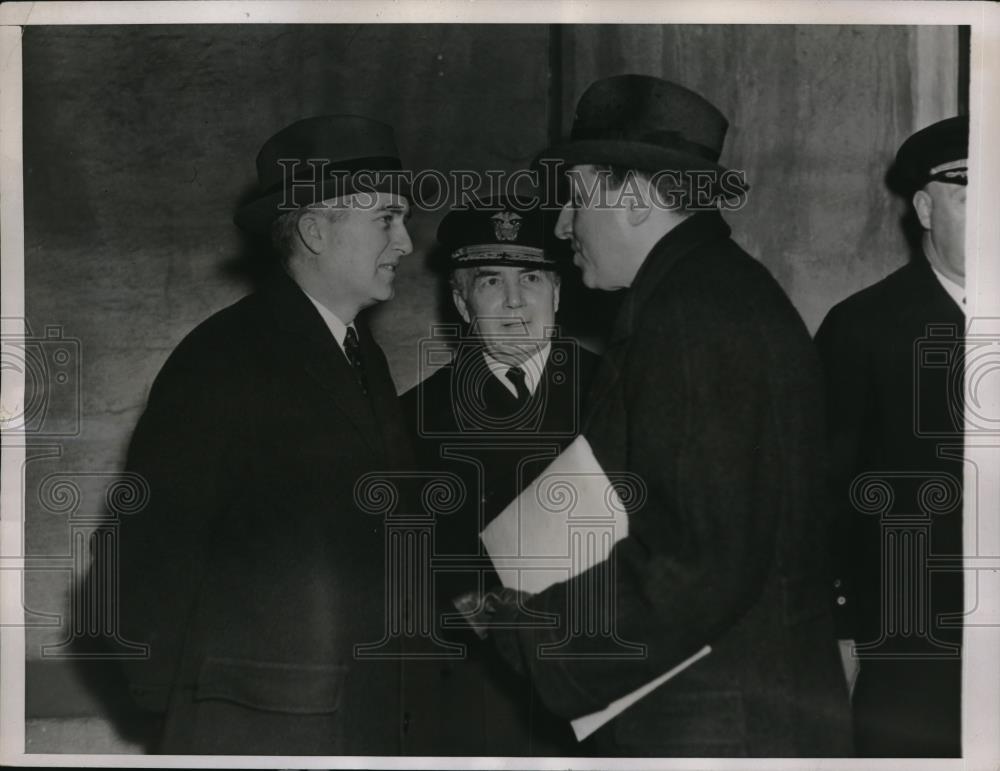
column 285, row 234
column 669, row 187
column 461, row 278
column 285, row 230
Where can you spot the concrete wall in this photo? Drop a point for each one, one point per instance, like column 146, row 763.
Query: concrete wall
column 139, row 142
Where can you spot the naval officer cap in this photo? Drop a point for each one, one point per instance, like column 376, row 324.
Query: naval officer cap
column 501, row 232
column 937, row 153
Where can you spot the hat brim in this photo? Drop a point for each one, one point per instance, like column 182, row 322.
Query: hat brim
column 721, row 183
column 505, row 263
column 637, row 155
column 257, row 215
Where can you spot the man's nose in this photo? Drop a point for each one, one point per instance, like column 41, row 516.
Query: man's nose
column 402, row 242
column 564, row 225
column 513, row 296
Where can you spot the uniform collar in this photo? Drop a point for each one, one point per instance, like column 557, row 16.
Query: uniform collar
column 955, row 291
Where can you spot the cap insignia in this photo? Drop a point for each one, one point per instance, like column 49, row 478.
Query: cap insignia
column 506, row 225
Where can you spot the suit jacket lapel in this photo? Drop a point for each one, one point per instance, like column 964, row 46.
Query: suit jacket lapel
column 936, row 296
column 313, row 347
column 382, row 398
column 471, row 370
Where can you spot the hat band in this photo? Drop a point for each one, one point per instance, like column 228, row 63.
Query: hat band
column 951, row 177
column 481, row 253
column 671, row 140
column 952, row 172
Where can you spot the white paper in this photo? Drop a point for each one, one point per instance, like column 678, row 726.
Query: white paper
column 562, row 524
column 586, row 725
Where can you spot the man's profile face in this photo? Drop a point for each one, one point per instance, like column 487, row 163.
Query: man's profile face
column 940, row 206
column 511, row 308
column 364, row 238
column 593, row 225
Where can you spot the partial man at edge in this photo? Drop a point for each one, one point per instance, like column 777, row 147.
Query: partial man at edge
column 892, row 353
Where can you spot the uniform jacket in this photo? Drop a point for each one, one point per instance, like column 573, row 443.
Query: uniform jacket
column 252, row 573
column 710, row 394
column 467, row 422
column 895, row 424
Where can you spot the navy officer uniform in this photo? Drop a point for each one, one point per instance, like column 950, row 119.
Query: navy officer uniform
column 895, row 422
column 496, row 415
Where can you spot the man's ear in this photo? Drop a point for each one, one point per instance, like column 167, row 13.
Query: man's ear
column 923, row 204
column 461, row 306
column 555, row 294
column 310, row 230
column 636, row 197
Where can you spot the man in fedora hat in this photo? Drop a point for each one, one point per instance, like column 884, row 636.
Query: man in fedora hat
column 504, row 406
column 710, row 393
column 895, row 420
column 252, row 574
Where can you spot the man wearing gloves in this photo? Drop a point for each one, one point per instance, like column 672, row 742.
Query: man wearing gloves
column 710, row 393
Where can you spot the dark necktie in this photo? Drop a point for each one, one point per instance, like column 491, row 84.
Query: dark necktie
column 516, row 376
column 353, row 350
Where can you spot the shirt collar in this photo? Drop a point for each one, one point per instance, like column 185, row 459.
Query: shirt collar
column 533, row 367
column 337, row 327
column 955, row 291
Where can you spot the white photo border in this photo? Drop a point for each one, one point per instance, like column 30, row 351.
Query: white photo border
column 981, row 663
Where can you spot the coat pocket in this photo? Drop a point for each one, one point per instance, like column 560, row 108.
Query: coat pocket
column 300, row 689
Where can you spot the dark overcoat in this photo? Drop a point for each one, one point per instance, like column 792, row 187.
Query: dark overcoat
column 891, row 354
column 253, row 573
column 466, row 422
column 710, row 394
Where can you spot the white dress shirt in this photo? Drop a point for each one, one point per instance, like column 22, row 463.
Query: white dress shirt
column 337, row 327
column 533, row 368
column 957, row 291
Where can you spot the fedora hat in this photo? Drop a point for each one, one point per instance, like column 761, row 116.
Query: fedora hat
column 319, row 158
column 645, row 123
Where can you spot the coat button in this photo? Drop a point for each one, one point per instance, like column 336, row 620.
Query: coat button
column 841, row 600
column 837, row 583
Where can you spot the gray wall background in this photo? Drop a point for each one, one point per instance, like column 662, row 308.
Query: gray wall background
column 139, row 142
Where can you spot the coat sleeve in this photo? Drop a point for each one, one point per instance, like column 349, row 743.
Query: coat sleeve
column 179, row 448
column 842, row 345
column 700, row 423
